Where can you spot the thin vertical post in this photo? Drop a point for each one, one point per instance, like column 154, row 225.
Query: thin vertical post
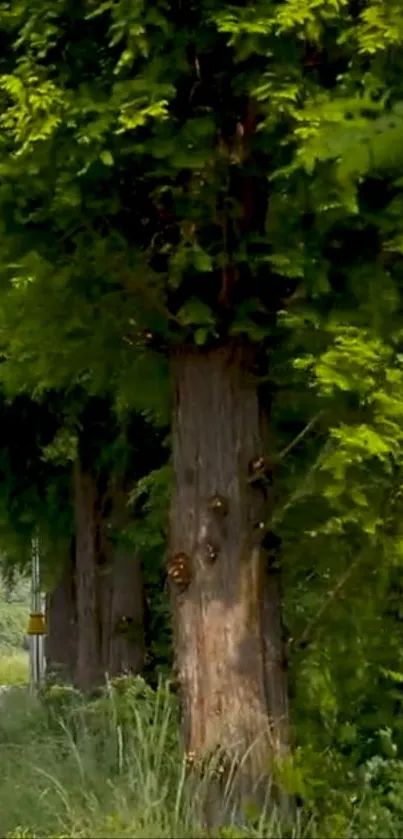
column 36, row 629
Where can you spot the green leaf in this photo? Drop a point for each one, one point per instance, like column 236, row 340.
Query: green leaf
column 201, row 336
column 201, row 260
column 196, row 313
column 106, row 157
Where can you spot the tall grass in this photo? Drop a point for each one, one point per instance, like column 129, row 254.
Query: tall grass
column 111, row 767
column 107, row 768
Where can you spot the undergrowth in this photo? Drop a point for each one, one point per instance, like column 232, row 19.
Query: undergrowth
column 111, row 766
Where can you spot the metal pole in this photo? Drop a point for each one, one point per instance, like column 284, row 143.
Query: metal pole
column 36, row 627
column 34, row 610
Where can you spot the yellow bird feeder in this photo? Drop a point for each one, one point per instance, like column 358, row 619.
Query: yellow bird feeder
column 36, row 624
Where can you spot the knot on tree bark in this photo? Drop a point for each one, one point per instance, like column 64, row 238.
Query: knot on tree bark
column 179, row 571
column 219, row 505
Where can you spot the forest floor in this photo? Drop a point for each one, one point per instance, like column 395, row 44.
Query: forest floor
column 112, row 767
column 106, row 768
column 69, row 768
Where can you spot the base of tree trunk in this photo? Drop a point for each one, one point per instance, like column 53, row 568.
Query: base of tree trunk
column 227, row 629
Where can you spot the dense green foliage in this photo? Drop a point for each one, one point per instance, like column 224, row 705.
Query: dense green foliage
column 14, row 613
column 189, row 172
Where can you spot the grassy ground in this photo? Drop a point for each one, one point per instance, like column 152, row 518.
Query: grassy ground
column 112, row 768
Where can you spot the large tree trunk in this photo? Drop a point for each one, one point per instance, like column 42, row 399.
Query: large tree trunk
column 61, row 639
column 89, row 664
column 227, row 632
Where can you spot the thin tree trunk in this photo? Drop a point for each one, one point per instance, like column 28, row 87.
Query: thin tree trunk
column 126, row 648
column 227, row 631
column 61, row 639
column 89, row 666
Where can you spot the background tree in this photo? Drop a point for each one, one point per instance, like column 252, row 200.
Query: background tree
column 41, row 454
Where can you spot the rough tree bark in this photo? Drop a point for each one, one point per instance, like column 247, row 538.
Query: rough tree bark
column 123, row 639
column 89, row 664
column 61, row 639
column 227, row 630
column 109, row 594
column 123, row 627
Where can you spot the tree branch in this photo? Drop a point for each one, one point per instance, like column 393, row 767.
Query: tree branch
column 309, row 634
column 300, row 436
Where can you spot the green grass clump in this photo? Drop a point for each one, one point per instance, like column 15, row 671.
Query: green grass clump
column 109, row 767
